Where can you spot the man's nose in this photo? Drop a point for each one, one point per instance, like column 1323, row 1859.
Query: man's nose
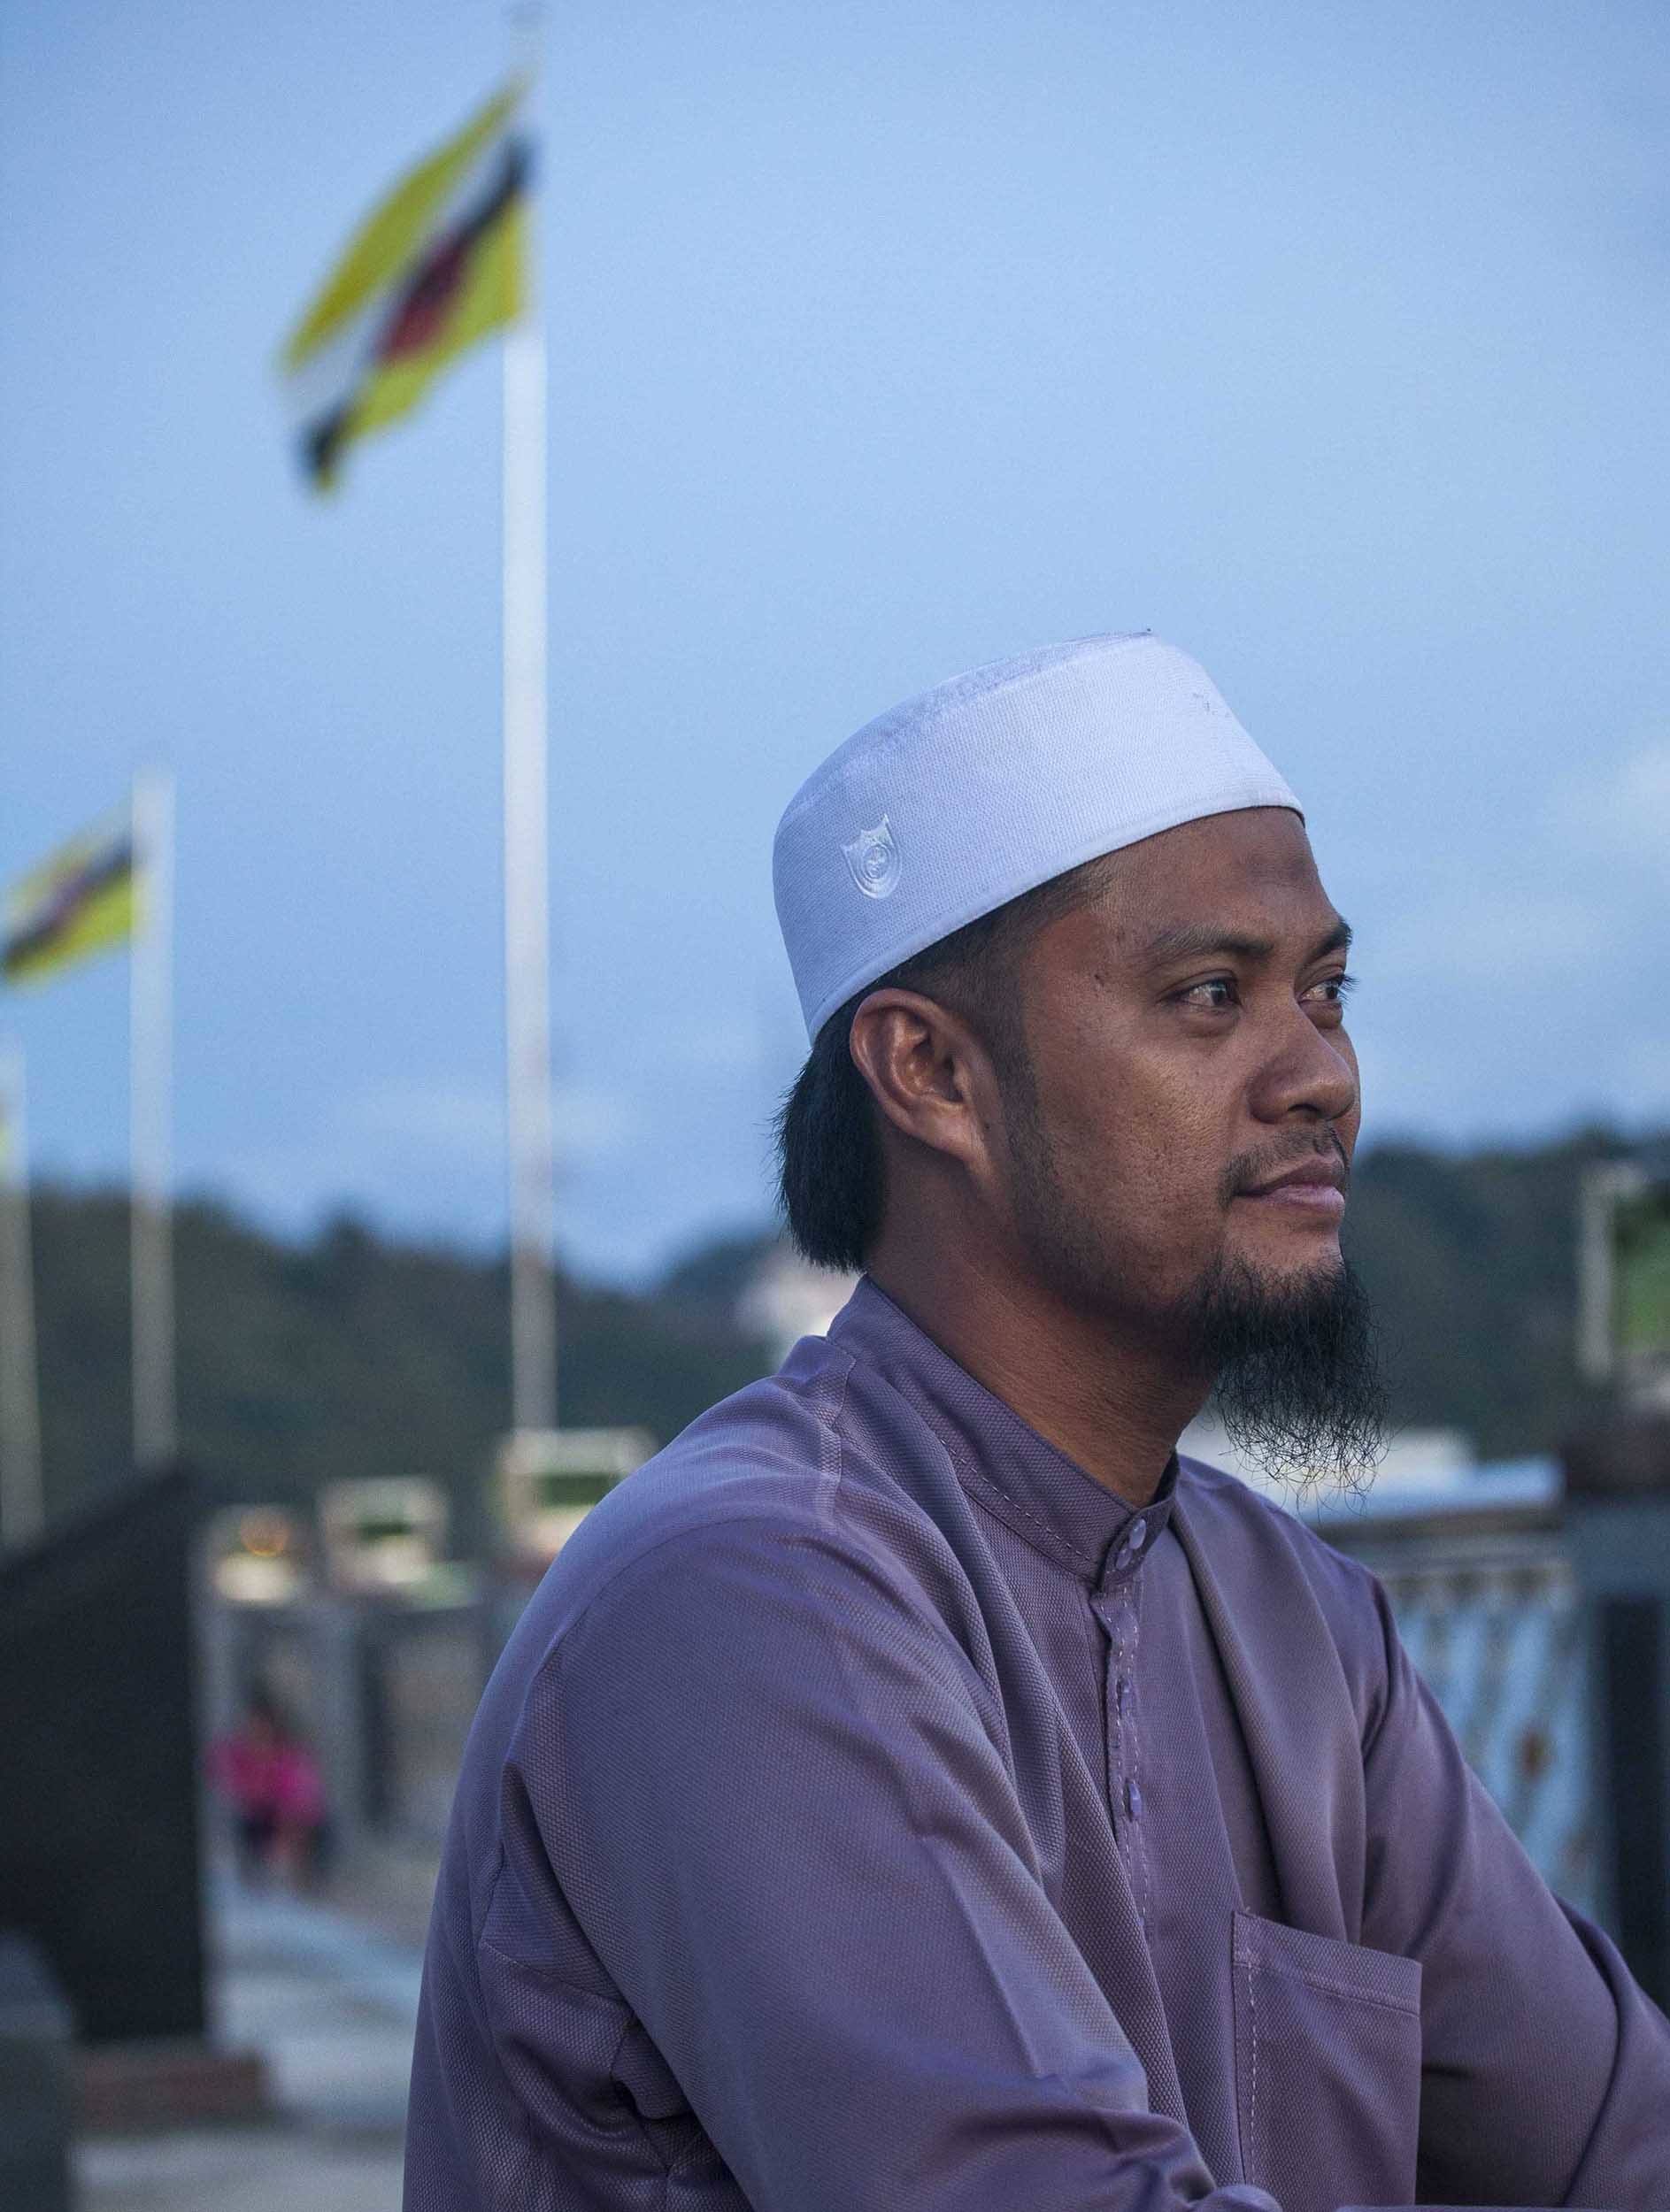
column 1309, row 1072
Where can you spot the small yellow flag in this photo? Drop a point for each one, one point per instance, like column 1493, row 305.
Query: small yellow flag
column 81, row 900
column 437, row 265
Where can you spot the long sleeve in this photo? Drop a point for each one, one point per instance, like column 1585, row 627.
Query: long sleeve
column 778, row 1797
column 820, row 1846
column 1546, row 2072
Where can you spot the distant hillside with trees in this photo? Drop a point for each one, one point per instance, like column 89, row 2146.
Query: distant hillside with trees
column 354, row 1354
column 349, row 1355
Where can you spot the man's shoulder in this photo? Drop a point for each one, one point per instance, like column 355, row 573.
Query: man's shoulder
column 775, row 1462
column 766, row 1452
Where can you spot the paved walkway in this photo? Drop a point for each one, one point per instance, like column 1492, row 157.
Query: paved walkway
column 330, row 2004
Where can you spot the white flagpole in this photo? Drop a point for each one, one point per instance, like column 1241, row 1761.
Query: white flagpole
column 527, row 897
column 22, row 1506
column 152, row 1043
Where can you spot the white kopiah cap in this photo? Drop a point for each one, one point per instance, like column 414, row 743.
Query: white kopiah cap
column 958, row 801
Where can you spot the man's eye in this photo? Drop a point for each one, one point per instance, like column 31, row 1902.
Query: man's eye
column 1333, row 990
column 1217, row 994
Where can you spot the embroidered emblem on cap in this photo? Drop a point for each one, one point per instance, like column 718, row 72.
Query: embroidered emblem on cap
column 873, row 859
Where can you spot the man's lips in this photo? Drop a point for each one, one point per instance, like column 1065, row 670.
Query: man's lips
column 1316, row 1185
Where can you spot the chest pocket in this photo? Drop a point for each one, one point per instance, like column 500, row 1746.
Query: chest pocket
column 1328, row 2068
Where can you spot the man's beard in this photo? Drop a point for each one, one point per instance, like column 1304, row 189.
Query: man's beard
column 1295, row 1367
column 1297, row 1377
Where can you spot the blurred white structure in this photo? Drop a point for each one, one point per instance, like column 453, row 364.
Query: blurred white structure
column 385, row 1534
column 1433, row 1463
column 1623, row 1280
column 259, row 1554
column 787, row 1298
column 549, row 1479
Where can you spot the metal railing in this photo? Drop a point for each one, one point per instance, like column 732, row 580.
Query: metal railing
column 1495, row 1628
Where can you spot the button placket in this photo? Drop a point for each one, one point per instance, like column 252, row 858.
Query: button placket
column 1116, row 1603
column 1114, row 1608
column 1136, row 1832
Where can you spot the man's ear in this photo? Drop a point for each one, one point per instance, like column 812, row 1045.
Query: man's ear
column 929, row 1072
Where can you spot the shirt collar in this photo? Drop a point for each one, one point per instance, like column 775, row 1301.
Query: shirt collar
column 1046, row 1498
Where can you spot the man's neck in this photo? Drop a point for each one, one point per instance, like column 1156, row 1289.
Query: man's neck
column 1115, row 1409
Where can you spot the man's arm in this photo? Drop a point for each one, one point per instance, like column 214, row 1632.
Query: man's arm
column 767, row 1780
column 1546, row 2076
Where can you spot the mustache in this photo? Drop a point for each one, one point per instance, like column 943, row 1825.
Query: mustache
column 1250, row 1168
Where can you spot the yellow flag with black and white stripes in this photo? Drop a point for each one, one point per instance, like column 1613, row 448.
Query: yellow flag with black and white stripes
column 83, row 899
column 437, row 265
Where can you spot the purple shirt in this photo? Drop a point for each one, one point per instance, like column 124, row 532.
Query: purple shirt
column 872, row 1811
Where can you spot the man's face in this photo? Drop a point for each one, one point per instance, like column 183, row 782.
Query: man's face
column 1187, row 1105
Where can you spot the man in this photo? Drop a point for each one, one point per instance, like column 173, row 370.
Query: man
column 918, row 1787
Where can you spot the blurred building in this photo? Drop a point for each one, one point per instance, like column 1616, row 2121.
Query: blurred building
column 1437, row 1460
column 786, row 1298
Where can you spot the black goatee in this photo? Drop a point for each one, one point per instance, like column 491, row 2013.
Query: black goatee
column 1297, row 1377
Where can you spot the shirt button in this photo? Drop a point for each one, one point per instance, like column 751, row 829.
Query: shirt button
column 1122, row 1692
column 1136, row 1535
column 1133, row 1799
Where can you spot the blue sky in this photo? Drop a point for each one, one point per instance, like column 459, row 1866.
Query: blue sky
column 887, row 337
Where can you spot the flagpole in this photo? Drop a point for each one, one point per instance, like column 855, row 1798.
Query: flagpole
column 527, row 894
column 151, row 1046
column 22, row 1505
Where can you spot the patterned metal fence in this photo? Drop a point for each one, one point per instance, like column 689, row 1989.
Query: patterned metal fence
column 1492, row 1620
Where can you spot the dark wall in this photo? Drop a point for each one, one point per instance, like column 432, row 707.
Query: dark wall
column 98, row 1761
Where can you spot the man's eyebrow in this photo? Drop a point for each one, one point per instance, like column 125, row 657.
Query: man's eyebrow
column 1338, row 939
column 1201, row 941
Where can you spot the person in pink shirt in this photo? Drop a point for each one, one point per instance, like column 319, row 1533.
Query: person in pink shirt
column 272, row 1781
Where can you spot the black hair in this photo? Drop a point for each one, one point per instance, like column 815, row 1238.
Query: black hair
column 828, row 1143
